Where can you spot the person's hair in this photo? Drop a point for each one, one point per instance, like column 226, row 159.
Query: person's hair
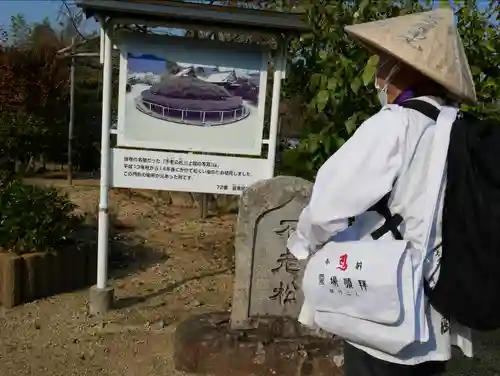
column 422, row 85
column 431, row 88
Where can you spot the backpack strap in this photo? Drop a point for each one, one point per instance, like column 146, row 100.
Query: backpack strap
column 425, row 108
column 391, row 221
column 382, row 208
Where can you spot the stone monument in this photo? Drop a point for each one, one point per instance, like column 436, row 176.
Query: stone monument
column 261, row 336
column 267, row 276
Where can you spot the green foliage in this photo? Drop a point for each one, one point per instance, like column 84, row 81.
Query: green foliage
column 21, row 138
column 33, row 99
column 34, row 219
column 333, row 76
column 481, row 38
column 330, row 73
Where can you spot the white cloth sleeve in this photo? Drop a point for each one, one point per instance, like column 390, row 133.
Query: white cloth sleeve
column 357, row 176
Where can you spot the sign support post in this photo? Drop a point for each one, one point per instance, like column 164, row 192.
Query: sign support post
column 275, row 107
column 102, row 295
column 71, row 114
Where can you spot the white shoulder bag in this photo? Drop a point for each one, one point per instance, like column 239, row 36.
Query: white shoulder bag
column 370, row 292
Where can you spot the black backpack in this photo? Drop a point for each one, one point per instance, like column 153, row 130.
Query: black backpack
column 469, row 278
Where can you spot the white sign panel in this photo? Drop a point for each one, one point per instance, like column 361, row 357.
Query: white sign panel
column 186, row 95
column 146, row 169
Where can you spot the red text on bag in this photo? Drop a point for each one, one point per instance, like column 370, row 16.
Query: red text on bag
column 343, row 265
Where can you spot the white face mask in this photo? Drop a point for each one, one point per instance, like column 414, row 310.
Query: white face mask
column 382, row 92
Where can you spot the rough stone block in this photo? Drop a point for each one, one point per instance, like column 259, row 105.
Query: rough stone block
column 11, row 267
column 54, row 273
column 42, row 275
column 268, row 278
column 207, row 345
column 78, row 268
column 100, row 300
column 66, row 261
column 33, row 280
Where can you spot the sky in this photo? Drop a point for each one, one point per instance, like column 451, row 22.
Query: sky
column 34, row 11
column 37, row 10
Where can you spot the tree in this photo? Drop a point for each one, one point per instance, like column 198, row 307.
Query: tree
column 19, row 29
column 33, row 82
column 34, row 96
column 481, row 37
column 331, row 76
column 20, row 137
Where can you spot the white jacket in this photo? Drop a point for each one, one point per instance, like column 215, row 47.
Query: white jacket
column 392, row 146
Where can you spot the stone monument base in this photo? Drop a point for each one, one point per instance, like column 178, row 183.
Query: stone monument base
column 207, row 345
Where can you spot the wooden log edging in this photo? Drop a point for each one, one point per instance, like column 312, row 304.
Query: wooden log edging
column 31, row 276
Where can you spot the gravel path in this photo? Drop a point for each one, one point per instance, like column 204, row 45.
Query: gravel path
column 173, row 265
column 168, row 264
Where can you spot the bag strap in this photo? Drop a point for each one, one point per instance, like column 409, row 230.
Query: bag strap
column 437, row 164
column 435, row 177
column 425, row 108
column 392, row 221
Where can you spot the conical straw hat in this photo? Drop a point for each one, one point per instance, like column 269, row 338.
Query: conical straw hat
column 428, row 42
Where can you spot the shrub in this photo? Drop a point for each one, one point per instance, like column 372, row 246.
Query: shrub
column 34, row 219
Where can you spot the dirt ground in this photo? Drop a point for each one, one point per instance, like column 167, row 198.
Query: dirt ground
column 167, row 264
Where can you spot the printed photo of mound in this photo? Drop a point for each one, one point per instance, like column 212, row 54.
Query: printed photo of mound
column 171, row 105
column 190, row 100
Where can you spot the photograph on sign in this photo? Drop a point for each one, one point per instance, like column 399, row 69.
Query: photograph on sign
column 190, row 95
column 160, row 170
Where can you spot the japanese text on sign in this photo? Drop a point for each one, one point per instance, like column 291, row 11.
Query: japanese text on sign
column 147, row 169
column 176, row 169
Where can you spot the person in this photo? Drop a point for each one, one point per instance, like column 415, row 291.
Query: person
column 421, row 57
